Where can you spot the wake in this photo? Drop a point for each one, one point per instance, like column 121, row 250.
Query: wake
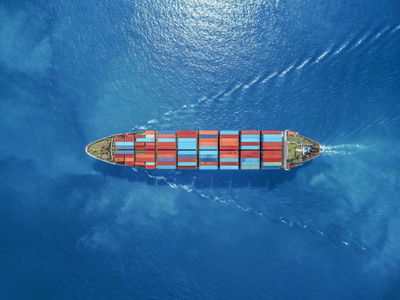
column 343, row 149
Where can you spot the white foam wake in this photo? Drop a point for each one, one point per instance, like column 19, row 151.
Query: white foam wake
column 342, row 149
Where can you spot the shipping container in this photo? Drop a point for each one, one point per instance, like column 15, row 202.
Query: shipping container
column 123, row 152
column 271, row 165
column 272, row 146
column 272, row 156
column 119, row 139
column 229, row 160
column 272, row 137
column 249, row 140
column 208, row 140
column 166, row 159
column 166, row 140
column 129, row 160
column 129, row 144
column 129, row 137
column 208, row 159
column 271, row 132
column 119, row 158
column 249, row 160
column 187, row 143
column 147, row 157
column 187, row 159
column 229, row 140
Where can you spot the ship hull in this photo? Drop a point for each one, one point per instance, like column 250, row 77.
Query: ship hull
column 206, row 149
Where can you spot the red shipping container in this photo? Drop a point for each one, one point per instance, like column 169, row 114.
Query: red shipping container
column 119, row 158
column 228, row 153
column 130, row 163
column 167, row 145
column 150, row 145
column 166, row 153
column 118, row 139
column 225, row 155
column 224, row 148
column 250, row 154
column 184, row 134
column 271, row 159
column 185, row 131
column 272, row 154
column 271, row 131
column 187, row 159
column 250, row 143
column 250, row 132
column 229, row 163
column 272, row 145
column 129, row 160
column 147, row 155
column 129, row 137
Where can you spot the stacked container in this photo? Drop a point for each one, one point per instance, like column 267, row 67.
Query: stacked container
column 166, row 140
column 272, row 149
column 229, row 149
column 130, row 157
column 205, row 149
column 145, row 149
column 250, row 140
column 250, row 160
column 166, row 159
column 187, row 149
column 208, row 149
column 124, row 149
column 166, row 150
column 250, row 150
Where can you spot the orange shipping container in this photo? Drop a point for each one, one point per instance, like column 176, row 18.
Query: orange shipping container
column 208, row 132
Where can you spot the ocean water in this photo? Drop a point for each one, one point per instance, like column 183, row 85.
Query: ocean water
column 74, row 71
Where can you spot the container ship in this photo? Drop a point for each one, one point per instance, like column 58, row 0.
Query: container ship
column 206, row 149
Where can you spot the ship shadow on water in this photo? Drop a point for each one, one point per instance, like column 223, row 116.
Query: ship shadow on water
column 200, row 178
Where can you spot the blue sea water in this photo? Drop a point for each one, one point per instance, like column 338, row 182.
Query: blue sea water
column 74, row 71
